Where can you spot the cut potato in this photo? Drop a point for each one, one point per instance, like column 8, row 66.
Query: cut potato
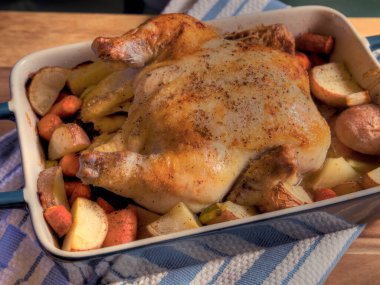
column 51, row 189
column 347, row 188
column 85, row 75
column 112, row 91
column 89, row 227
column 45, row 87
column 358, row 128
column 109, row 124
column 227, row 211
column 68, row 138
column 179, row 218
column 333, row 84
column 144, row 218
column 283, row 196
column 335, row 171
column 371, row 179
column 362, row 166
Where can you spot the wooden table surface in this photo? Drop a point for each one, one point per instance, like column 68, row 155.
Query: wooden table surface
column 22, row 33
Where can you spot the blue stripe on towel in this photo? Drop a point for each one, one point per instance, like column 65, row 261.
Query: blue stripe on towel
column 264, row 236
column 10, row 173
column 302, row 260
column 266, row 264
column 215, row 10
column 226, row 262
column 57, row 275
column 180, row 276
column 349, row 241
column 9, row 243
column 274, row 5
column 240, row 8
column 166, row 256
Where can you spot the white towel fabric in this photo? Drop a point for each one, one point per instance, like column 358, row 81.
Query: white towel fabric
column 301, row 249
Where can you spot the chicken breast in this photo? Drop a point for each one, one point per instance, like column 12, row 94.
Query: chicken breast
column 199, row 116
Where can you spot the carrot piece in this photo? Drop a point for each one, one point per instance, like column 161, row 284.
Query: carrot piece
column 67, row 107
column 70, row 164
column 70, row 186
column 47, row 125
column 80, row 190
column 303, row 60
column 323, row 194
column 107, row 207
column 59, row 218
column 75, row 189
column 122, row 227
column 315, row 43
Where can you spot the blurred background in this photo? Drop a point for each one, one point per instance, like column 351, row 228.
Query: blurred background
column 351, row 8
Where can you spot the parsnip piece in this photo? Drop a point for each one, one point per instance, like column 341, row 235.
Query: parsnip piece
column 227, row 211
column 67, row 138
column 109, row 124
column 333, row 84
column 51, row 189
column 85, row 75
column 371, row 179
column 45, row 87
column 335, row 171
column 89, row 228
column 99, row 140
column 179, row 218
column 112, row 91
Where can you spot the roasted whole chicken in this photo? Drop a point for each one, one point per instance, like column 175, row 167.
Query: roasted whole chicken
column 213, row 116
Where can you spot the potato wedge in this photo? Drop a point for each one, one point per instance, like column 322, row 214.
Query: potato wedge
column 67, row 138
column 85, row 75
column 371, row 179
column 335, row 171
column 223, row 212
column 333, row 84
column 358, row 128
column 179, row 218
column 144, row 217
column 50, row 188
column 45, row 87
column 347, row 188
column 112, row 91
column 109, row 124
column 89, row 227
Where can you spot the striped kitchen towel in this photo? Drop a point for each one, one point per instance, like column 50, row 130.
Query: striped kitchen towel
column 293, row 250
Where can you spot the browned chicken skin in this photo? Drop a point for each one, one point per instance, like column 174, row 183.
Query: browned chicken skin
column 203, row 109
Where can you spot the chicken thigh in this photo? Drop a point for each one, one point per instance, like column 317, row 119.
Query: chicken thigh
column 203, row 108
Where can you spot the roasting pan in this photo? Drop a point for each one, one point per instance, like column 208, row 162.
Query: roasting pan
column 350, row 48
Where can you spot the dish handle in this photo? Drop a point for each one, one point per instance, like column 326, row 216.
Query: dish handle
column 374, row 42
column 12, row 198
column 5, row 112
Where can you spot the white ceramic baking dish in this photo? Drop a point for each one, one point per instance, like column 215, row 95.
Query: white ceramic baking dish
column 350, row 48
